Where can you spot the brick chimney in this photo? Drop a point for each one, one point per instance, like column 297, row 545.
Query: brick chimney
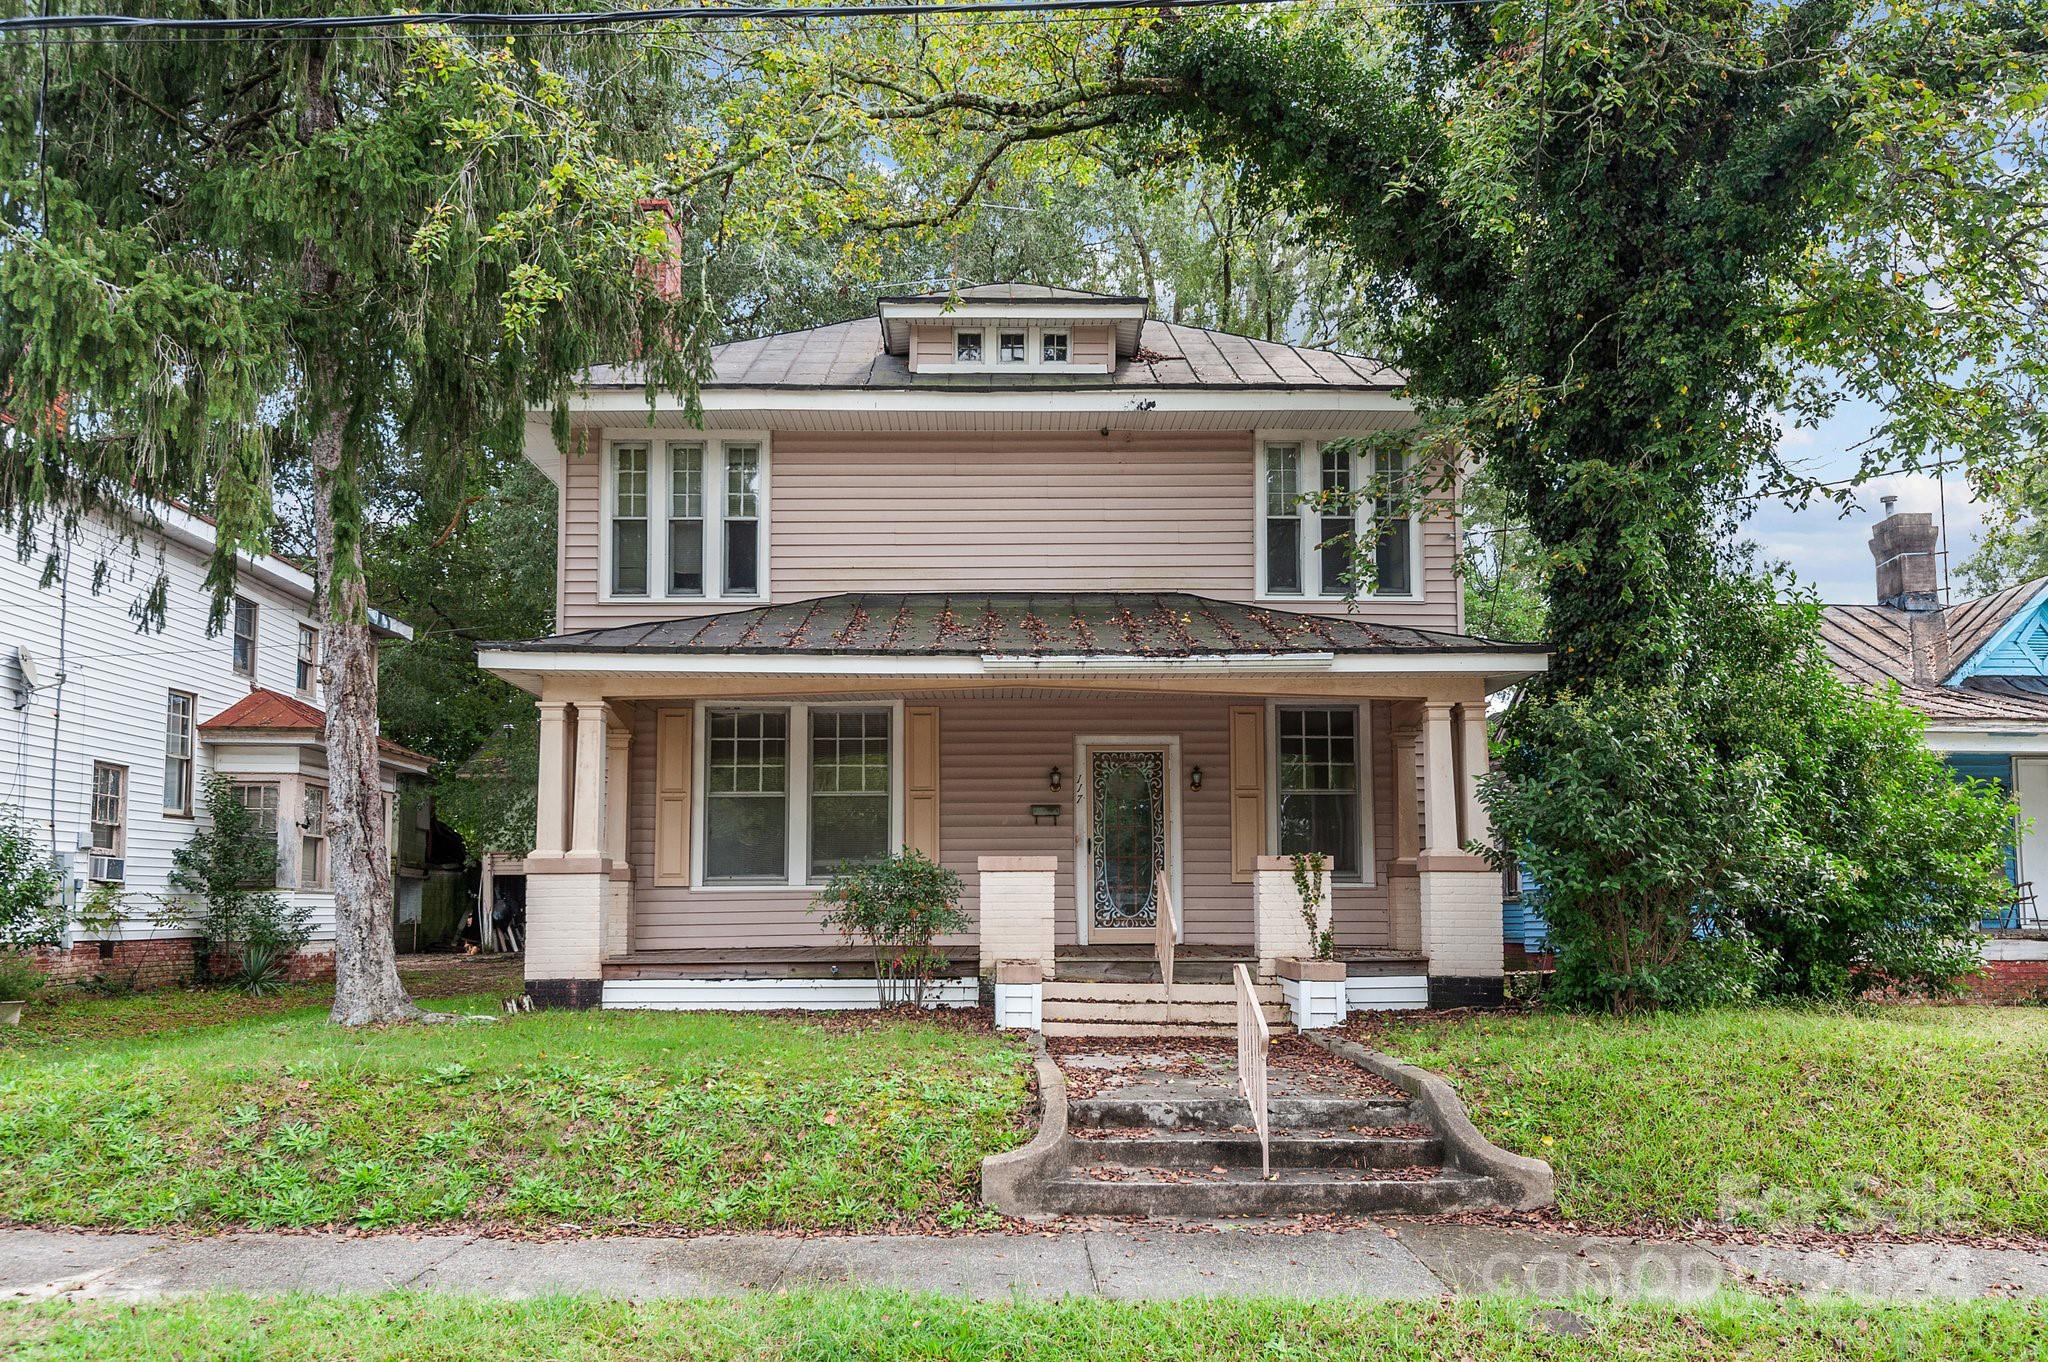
column 668, row 274
column 1903, row 543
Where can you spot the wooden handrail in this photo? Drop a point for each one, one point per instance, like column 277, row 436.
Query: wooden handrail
column 1253, row 1037
column 1162, row 932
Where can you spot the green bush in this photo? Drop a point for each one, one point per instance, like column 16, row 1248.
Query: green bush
column 31, row 908
column 19, row 977
column 222, row 876
column 1755, row 827
column 898, row 905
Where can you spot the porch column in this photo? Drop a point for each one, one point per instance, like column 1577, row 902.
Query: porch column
column 1458, row 894
column 586, row 829
column 567, row 890
column 551, row 804
column 1403, row 909
column 1472, row 733
column 617, row 768
column 1439, row 779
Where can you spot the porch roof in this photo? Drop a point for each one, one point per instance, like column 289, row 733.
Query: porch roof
column 1025, row 625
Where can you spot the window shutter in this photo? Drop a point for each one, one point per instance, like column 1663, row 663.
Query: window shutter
column 921, row 779
column 672, row 769
column 1247, row 790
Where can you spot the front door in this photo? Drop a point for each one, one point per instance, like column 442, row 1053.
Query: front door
column 1128, row 832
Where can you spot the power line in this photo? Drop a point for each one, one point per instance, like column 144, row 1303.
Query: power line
column 571, row 19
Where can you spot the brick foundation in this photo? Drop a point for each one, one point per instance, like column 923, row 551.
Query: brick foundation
column 2011, row 981
column 154, row 964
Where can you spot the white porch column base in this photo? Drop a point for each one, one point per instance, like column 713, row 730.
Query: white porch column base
column 566, row 910
column 1016, row 911
column 1279, row 931
column 1020, row 997
column 1459, row 897
column 1314, row 992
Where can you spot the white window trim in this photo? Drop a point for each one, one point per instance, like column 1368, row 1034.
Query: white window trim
column 189, row 808
column 657, row 443
column 119, row 851
column 1368, row 865
column 1085, row 746
column 324, row 883
column 797, row 848
column 255, row 635
column 1034, row 352
column 1311, row 533
column 311, row 690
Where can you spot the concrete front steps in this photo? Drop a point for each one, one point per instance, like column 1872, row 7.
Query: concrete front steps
column 1198, row 1159
column 1080, row 1007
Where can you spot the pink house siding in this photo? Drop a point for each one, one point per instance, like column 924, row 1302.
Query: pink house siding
column 995, row 512
column 994, row 753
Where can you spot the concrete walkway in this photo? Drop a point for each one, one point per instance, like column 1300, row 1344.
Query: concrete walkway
column 1408, row 1259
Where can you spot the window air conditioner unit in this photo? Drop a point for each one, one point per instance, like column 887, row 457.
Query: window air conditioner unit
column 109, row 869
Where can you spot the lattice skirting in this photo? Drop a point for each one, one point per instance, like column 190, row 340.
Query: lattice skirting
column 771, row 995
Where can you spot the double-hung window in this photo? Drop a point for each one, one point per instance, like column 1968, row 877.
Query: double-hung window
column 307, row 676
column 1309, row 530
column 109, row 823
column 260, row 798
column 1319, row 786
column 711, row 495
column 793, row 792
column 313, row 839
column 178, row 714
column 245, row 637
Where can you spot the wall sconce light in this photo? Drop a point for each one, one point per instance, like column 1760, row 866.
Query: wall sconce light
column 1195, row 778
column 1052, row 778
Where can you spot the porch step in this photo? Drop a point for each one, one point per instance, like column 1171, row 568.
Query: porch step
column 1089, row 990
column 1113, row 1189
column 1290, row 1149
column 1109, row 1029
column 1219, row 1014
column 1226, row 1115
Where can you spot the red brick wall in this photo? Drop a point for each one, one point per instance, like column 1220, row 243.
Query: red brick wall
column 153, row 964
column 2011, row 981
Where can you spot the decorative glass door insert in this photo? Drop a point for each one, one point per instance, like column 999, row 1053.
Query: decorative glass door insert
column 1126, row 838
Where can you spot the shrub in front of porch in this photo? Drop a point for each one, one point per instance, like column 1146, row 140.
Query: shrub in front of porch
column 898, row 906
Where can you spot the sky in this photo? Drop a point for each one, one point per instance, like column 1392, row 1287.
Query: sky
column 1830, row 551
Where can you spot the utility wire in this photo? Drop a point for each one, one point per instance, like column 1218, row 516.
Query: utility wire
column 885, row 9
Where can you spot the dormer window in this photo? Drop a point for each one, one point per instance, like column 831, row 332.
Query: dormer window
column 1053, row 349
column 1011, row 348
column 967, row 347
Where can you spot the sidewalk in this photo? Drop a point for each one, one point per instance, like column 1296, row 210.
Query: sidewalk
column 1124, row 1263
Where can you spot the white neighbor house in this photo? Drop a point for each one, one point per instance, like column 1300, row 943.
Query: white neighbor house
column 108, row 731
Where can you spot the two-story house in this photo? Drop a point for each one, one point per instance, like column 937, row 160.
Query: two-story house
column 1978, row 670
column 109, row 731
column 1031, row 581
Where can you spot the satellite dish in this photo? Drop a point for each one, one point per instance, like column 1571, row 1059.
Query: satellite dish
column 31, row 676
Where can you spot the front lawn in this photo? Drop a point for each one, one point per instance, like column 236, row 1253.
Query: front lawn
column 1923, row 1118
column 250, row 1117
column 860, row 1325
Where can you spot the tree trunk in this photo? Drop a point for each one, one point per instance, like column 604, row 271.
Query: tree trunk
column 366, row 986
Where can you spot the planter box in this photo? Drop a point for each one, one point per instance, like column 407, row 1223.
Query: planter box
column 1314, row 992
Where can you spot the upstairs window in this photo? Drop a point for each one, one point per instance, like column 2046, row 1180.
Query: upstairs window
column 712, row 542
column 629, row 521
column 308, row 673
column 178, row 753
column 1011, row 348
column 967, row 347
column 245, row 637
column 1309, row 524
column 1054, row 348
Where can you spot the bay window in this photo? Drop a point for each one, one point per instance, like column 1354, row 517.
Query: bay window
column 793, row 792
column 1309, row 524
column 711, row 541
column 1320, row 787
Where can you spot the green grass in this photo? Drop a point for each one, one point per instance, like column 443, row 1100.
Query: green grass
column 840, row 1327
column 247, row 1115
column 1924, row 1118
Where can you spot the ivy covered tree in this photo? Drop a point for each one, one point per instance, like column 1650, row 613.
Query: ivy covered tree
column 223, row 258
